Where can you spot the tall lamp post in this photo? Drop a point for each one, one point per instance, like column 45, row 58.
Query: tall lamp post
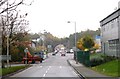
column 75, row 39
column 42, row 37
column 7, row 36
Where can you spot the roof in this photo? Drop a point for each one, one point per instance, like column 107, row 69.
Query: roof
column 110, row 15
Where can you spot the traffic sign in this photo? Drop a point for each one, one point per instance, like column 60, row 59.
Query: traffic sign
column 5, row 57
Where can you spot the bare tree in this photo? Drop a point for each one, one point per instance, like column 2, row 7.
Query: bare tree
column 13, row 4
column 10, row 22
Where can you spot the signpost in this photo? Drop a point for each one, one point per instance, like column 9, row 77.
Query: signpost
column 4, row 58
column 26, row 50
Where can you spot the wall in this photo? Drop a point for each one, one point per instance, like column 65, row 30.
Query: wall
column 110, row 30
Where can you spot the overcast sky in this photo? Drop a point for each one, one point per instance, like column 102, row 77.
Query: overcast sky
column 52, row 15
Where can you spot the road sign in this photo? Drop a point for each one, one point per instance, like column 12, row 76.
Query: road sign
column 5, row 57
column 26, row 50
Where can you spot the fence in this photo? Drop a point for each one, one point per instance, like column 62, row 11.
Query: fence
column 83, row 57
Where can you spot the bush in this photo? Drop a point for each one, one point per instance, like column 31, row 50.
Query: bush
column 108, row 58
column 97, row 59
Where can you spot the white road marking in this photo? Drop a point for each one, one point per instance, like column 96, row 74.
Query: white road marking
column 40, row 66
column 46, row 72
column 48, row 69
column 49, row 66
column 60, row 66
column 44, row 75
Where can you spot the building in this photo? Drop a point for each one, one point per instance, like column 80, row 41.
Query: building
column 110, row 34
column 33, row 44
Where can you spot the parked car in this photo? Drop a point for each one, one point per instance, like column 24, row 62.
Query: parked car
column 70, row 51
column 31, row 58
column 67, row 51
column 55, row 52
column 63, row 54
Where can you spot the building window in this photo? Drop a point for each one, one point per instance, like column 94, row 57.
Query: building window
column 112, row 24
column 113, row 44
column 104, row 29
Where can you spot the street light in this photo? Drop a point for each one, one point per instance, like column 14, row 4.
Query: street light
column 75, row 39
column 42, row 37
column 7, row 36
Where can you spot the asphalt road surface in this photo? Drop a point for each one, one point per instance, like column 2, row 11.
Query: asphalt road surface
column 53, row 66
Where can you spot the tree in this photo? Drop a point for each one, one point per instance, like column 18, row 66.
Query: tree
column 88, row 42
column 96, row 46
column 80, row 44
column 9, row 23
column 81, row 34
column 11, row 5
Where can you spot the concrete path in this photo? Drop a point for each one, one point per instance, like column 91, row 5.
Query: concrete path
column 86, row 72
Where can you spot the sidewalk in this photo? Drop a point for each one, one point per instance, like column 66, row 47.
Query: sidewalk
column 86, row 72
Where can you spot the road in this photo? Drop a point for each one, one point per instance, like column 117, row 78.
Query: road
column 54, row 66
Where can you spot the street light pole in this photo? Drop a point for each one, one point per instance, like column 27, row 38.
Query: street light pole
column 76, row 43
column 7, row 36
column 44, row 40
column 75, row 39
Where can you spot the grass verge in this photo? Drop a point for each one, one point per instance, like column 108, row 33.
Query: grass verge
column 5, row 71
column 111, row 68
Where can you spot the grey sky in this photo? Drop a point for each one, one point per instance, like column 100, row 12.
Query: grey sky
column 52, row 15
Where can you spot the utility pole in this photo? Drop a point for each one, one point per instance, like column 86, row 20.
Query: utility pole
column 75, row 39
column 7, row 36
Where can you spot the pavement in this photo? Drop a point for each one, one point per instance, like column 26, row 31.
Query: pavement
column 86, row 72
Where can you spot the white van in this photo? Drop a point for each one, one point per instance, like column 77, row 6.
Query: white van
column 63, row 52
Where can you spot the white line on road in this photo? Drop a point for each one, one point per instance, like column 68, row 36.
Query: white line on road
column 40, row 66
column 60, row 66
column 48, row 69
column 44, row 75
column 46, row 72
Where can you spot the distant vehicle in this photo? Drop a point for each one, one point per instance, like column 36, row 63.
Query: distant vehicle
column 67, row 51
column 62, row 51
column 63, row 54
column 55, row 52
column 71, row 51
column 31, row 58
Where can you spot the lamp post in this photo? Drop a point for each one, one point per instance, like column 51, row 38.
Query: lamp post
column 7, row 36
column 42, row 38
column 75, row 38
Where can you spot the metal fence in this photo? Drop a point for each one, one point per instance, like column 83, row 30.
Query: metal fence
column 83, row 57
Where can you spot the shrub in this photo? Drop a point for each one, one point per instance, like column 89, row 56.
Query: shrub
column 108, row 58
column 96, row 61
